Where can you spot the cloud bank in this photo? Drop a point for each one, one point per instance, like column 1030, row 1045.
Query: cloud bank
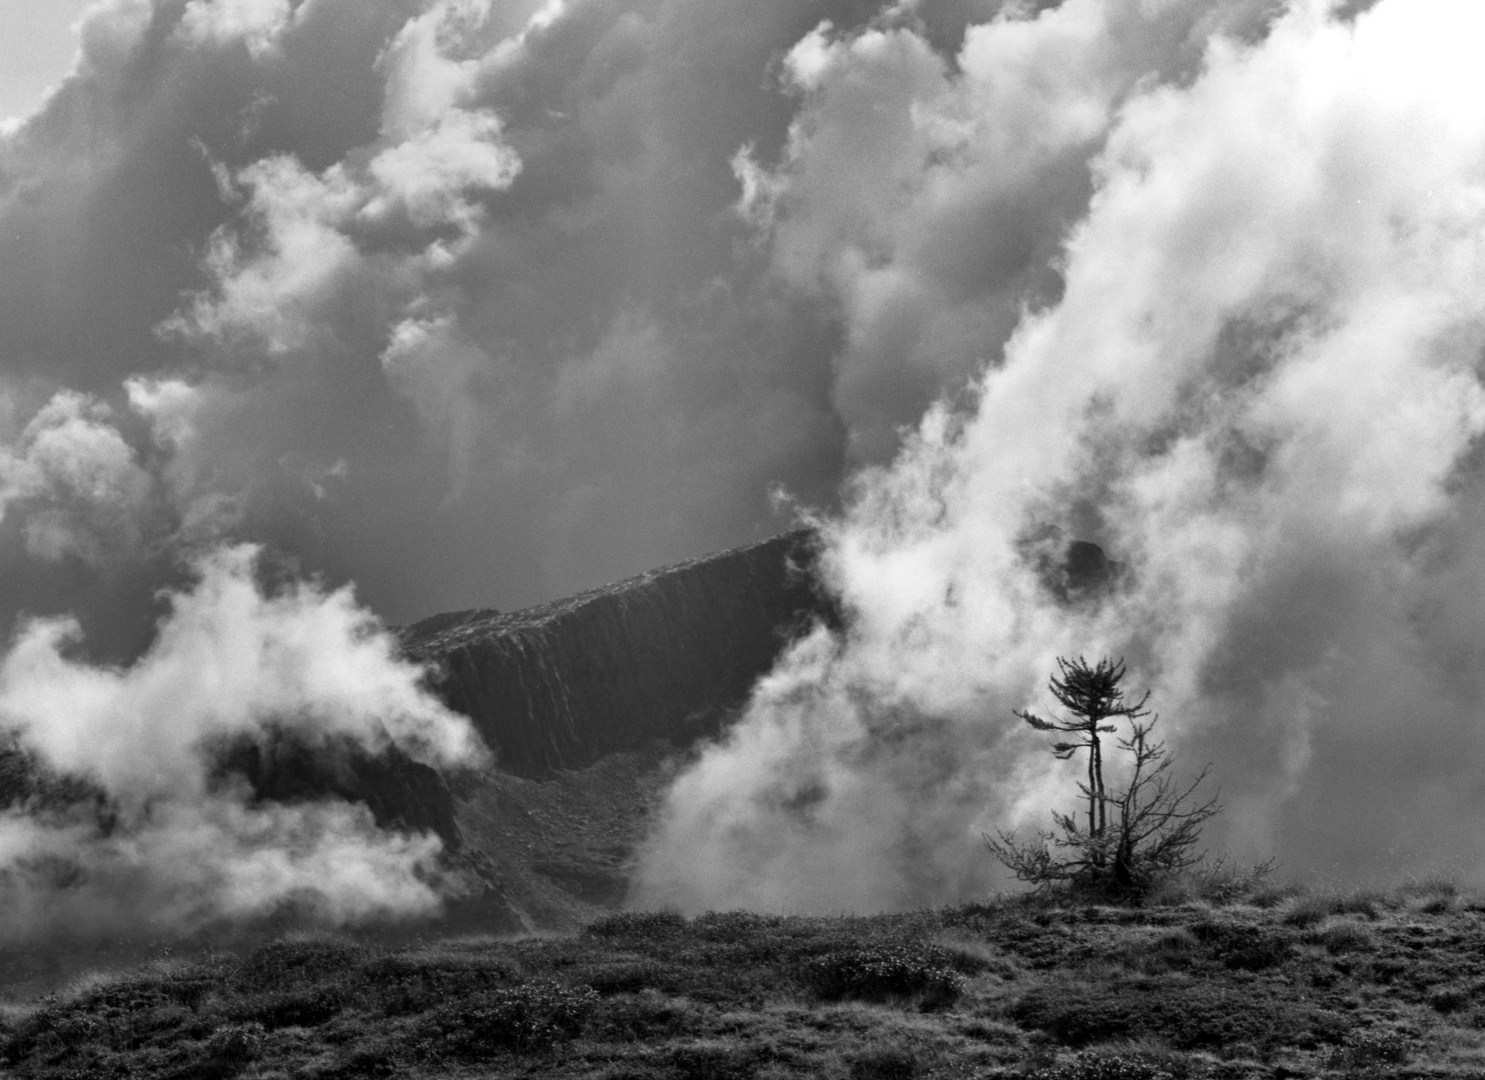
column 482, row 303
column 129, row 819
column 1253, row 376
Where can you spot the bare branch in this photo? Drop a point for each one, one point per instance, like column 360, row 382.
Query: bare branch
column 1135, row 836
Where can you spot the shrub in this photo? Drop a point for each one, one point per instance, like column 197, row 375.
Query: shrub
column 1272, row 896
column 1343, row 937
column 641, row 1018
column 236, row 1043
column 885, row 1063
column 1242, row 948
column 1310, row 910
column 524, row 1017
column 1102, row 1067
column 625, row 976
column 733, row 926
column 300, row 959
column 714, row 1061
column 399, row 985
column 1186, row 1017
column 1213, row 881
column 1370, row 1047
column 291, row 1008
column 1453, row 998
column 882, row 972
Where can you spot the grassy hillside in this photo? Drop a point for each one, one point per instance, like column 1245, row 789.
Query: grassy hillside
column 1277, row 984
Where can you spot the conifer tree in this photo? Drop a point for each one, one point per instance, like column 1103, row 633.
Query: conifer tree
column 1144, row 832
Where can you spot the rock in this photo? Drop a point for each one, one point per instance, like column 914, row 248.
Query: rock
column 662, row 655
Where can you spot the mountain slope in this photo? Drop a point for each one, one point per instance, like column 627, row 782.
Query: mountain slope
column 662, row 655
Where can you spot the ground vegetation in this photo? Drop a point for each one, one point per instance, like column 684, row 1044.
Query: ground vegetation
column 1222, row 976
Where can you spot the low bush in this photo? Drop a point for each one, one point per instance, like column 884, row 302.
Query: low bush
column 299, row 960
column 1342, row 937
column 883, row 972
column 1192, row 1017
column 1369, row 1048
column 524, row 1017
column 884, row 1063
column 1454, row 997
column 1213, row 881
column 733, row 926
column 642, row 1018
column 626, row 976
column 235, row 1044
column 1308, row 911
column 715, row 1061
column 1102, row 1067
column 1240, row 947
column 400, row 985
column 275, row 1009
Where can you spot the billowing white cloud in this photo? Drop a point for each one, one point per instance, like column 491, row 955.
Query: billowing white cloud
column 76, row 483
column 256, row 23
column 1260, row 388
column 929, row 196
column 185, row 844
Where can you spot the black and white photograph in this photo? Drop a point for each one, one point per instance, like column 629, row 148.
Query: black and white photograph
column 726, row 539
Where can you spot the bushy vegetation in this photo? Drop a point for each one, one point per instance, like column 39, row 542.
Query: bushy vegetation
column 885, row 972
column 1293, row 982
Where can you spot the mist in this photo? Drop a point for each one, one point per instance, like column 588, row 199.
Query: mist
column 438, row 304
column 1256, row 384
column 130, row 823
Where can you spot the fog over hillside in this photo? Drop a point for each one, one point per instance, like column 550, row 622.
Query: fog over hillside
column 475, row 303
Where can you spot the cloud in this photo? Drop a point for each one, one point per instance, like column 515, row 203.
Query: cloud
column 179, row 844
column 76, row 483
column 929, row 195
column 1259, row 386
column 447, row 299
column 476, row 303
column 256, row 23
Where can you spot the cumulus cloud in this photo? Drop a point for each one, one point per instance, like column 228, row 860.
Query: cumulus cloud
column 176, row 842
column 929, row 195
column 1259, row 386
column 255, row 23
column 76, row 484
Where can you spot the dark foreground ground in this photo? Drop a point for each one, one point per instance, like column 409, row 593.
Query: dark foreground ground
column 1278, row 983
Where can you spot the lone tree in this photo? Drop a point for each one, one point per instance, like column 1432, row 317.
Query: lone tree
column 1137, row 836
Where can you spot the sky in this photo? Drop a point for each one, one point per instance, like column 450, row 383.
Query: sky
column 36, row 50
column 338, row 313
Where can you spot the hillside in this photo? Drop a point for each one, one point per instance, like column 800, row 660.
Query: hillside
column 590, row 704
column 1274, row 983
column 663, row 655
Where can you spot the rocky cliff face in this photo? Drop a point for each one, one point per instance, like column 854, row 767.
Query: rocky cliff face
column 662, row 655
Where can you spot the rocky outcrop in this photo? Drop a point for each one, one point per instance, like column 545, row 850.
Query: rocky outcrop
column 402, row 794
column 663, row 655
